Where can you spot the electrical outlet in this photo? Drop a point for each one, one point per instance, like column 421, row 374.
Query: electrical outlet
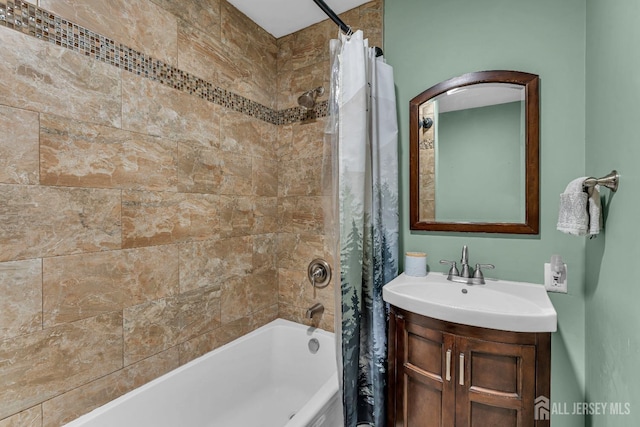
column 552, row 284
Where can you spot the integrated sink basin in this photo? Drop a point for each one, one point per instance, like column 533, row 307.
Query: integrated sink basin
column 498, row 304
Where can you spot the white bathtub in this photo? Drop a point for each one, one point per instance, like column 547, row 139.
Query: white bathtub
column 268, row 378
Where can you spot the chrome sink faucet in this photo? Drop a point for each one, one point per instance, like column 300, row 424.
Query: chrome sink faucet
column 467, row 275
column 464, row 263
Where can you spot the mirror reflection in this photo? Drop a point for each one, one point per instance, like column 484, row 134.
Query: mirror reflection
column 474, row 154
column 472, row 138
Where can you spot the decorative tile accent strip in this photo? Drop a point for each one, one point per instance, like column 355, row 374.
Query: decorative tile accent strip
column 297, row 114
column 37, row 22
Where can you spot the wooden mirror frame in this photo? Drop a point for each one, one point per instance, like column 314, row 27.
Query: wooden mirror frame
column 530, row 82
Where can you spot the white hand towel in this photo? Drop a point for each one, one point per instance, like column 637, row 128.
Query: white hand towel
column 580, row 211
column 573, row 217
column 595, row 211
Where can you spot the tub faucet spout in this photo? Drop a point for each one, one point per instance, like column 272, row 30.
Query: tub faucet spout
column 315, row 308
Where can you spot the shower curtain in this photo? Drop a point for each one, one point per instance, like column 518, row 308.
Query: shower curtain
column 364, row 131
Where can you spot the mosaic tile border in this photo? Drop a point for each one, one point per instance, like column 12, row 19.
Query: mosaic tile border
column 32, row 20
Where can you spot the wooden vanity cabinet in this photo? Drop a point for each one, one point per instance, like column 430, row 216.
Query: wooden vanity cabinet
column 450, row 375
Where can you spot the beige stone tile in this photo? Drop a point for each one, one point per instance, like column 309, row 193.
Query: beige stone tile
column 285, row 142
column 200, row 312
column 292, row 285
column 234, row 299
column 296, row 251
column 374, row 6
column 231, row 331
column 240, row 216
column 262, row 317
column 238, row 75
column 249, row 136
column 46, row 78
column 31, row 417
column 236, row 216
column 202, row 14
column 39, row 366
column 303, row 214
column 243, row 77
column 267, row 145
column 237, row 29
column 311, row 45
column 286, row 97
column 152, row 108
column 371, row 18
column 69, row 406
column 254, row 52
column 21, row 302
column 299, row 178
column 139, row 24
column 160, row 218
column 285, row 52
column 263, row 290
column 80, row 286
column 264, row 177
column 197, row 347
column 37, row 221
column 262, row 50
column 209, row 341
column 240, row 132
column 158, row 325
column 206, row 169
column 150, row 328
column 86, row 155
column 210, row 262
column 308, row 142
column 228, row 61
column 201, row 52
column 265, row 214
column 242, row 296
column 18, row 146
column 264, row 252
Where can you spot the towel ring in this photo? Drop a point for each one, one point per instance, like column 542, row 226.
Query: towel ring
column 610, row 181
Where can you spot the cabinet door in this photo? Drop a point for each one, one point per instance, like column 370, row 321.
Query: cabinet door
column 495, row 384
column 426, row 377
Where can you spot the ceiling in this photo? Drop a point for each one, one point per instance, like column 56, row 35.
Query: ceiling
column 282, row 17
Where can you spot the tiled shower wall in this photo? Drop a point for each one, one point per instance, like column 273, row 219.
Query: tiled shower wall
column 159, row 195
column 304, row 161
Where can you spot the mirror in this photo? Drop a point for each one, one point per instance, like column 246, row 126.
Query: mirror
column 474, row 154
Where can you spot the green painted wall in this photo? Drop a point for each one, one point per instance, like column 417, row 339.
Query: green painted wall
column 428, row 41
column 613, row 287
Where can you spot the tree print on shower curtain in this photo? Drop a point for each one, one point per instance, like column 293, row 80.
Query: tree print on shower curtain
column 368, row 211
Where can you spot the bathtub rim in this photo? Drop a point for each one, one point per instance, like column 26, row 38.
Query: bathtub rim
column 311, row 409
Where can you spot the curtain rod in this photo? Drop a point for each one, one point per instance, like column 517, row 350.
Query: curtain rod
column 335, row 18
